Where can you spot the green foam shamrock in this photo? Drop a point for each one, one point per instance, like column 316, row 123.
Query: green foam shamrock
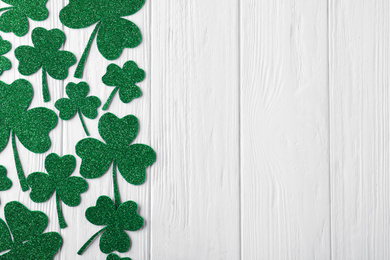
column 116, row 257
column 31, row 126
column 5, row 182
column 26, row 228
column 67, row 189
column 113, row 32
column 124, row 80
column 131, row 159
column 78, row 102
column 46, row 55
column 15, row 18
column 5, row 64
column 116, row 221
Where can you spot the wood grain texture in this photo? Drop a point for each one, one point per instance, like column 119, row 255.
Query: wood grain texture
column 284, row 130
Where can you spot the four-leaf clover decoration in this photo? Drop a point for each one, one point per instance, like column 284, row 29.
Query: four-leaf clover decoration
column 116, row 220
column 28, row 241
column 67, row 189
column 5, row 64
column 46, row 55
column 113, row 32
column 131, row 160
column 15, row 18
column 123, row 80
column 31, row 126
column 116, row 257
column 78, row 102
column 5, row 182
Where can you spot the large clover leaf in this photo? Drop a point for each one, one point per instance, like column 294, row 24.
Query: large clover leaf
column 67, row 189
column 46, row 55
column 123, row 80
column 15, row 18
column 5, row 64
column 113, row 32
column 26, row 228
column 31, row 126
column 118, row 134
column 116, row 221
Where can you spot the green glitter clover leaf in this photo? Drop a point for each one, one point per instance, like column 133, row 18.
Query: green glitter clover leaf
column 26, row 228
column 31, row 126
column 123, row 80
column 67, row 189
column 46, row 55
column 116, row 257
column 5, row 182
column 78, row 102
column 116, row 221
column 113, row 32
column 5, row 64
column 118, row 134
column 15, row 18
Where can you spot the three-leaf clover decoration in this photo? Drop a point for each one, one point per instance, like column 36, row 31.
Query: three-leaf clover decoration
column 116, row 257
column 113, row 32
column 46, row 55
column 28, row 241
column 123, row 80
column 5, row 182
column 131, row 159
column 5, row 64
column 67, row 189
column 78, row 102
column 15, row 18
column 31, row 126
column 116, row 220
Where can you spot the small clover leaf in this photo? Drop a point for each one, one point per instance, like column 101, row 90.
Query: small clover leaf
column 46, row 55
column 123, row 80
column 31, row 126
column 5, row 182
column 68, row 189
column 132, row 159
column 116, row 257
column 78, row 102
column 5, row 64
column 113, row 32
column 116, row 221
column 15, row 18
column 26, row 228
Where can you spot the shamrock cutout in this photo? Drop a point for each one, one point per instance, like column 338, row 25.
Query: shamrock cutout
column 78, row 102
column 15, row 18
column 124, row 80
column 118, row 134
column 5, row 64
column 116, row 221
column 26, row 228
column 67, row 189
column 31, row 126
column 113, row 32
column 5, row 182
column 116, row 257
column 46, row 55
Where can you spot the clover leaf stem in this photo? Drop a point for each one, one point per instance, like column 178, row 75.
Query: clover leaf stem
column 6, row 8
column 80, row 67
column 61, row 219
column 82, row 122
column 82, row 249
column 18, row 165
column 110, row 98
column 45, row 89
column 115, row 184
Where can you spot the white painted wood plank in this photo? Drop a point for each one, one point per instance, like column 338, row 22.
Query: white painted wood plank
column 284, row 130
column 359, row 118
column 195, row 182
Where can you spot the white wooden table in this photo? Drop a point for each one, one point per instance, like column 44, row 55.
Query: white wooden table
column 270, row 119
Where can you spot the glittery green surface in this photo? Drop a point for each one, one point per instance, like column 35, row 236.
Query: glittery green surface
column 58, row 180
column 30, row 126
column 78, row 103
column 116, row 220
column 131, row 159
column 5, row 182
column 5, row 64
column 113, row 32
column 123, row 79
column 28, row 241
column 14, row 18
column 46, row 55
column 116, row 257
